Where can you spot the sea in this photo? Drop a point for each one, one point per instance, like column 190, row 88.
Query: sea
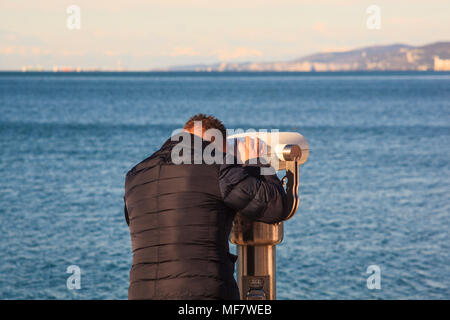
column 375, row 190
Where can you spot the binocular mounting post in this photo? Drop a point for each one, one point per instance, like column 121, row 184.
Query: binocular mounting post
column 256, row 241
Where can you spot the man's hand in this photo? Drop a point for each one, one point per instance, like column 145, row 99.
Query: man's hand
column 252, row 148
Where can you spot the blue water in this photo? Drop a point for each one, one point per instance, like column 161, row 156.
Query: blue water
column 375, row 189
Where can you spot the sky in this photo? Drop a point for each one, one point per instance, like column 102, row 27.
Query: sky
column 152, row 34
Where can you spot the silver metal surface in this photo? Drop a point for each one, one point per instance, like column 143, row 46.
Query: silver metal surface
column 292, row 175
column 256, row 257
column 248, row 233
column 291, row 152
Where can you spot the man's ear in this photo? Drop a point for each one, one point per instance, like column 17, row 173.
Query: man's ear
column 190, row 130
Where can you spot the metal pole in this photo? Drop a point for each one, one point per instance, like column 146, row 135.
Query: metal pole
column 256, row 243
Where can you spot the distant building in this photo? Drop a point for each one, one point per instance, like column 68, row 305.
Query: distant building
column 30, row 68
column 441, row 64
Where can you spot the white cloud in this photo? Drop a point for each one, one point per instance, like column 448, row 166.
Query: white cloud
column 183, row 51
column 24, row 50
column 322, row 28
column 237, row 53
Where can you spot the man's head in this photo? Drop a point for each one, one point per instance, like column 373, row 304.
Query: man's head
column 212, row 129
column 207, row 122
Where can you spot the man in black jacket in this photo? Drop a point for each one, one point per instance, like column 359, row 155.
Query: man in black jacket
column 180, row 217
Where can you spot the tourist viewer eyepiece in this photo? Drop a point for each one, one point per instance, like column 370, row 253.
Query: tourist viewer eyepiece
column 256, row 241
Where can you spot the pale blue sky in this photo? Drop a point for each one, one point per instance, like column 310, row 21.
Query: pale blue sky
column 150, row 34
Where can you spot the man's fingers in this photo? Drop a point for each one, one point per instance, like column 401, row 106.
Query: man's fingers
column 250, row 148
column 241, row 151
column 257, row 147
column 247, row 148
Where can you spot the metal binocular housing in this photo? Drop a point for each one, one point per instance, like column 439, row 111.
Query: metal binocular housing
column 256, row 241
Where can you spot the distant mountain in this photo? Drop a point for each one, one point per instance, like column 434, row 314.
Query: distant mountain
column 435, row 56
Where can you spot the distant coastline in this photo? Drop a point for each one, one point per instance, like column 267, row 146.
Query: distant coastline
column 228, row 72
column 395, row 57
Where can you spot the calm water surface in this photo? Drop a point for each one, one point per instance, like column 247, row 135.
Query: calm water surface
column 375, row 189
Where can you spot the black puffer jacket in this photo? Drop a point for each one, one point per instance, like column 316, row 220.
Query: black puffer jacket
column 180, row 218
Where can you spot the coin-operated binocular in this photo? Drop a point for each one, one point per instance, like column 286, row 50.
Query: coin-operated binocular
column 256, row 241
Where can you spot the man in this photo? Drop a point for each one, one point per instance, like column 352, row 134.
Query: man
column 180, row 218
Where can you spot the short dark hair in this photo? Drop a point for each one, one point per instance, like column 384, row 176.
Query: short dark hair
column 208, row 122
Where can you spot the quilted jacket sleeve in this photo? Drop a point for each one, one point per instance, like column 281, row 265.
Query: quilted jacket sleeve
column 255, row 196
